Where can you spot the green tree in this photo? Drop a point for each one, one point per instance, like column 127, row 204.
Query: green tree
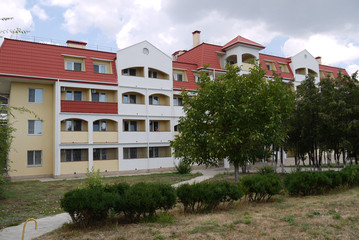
column 13, row 31
column 233, row 117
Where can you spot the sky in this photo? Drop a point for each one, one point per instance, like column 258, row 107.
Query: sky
column 326, row 28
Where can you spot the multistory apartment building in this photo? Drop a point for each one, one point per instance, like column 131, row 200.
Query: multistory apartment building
column 114, row 111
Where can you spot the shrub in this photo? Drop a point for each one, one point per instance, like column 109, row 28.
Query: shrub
column 2, row 185
column 143, row 199
column 205, row 196
column 307, row 183
column 183, row 168
column 87, row 205
column 94, row 178
column 261, row 186
column 265, row 170
column 336, row 178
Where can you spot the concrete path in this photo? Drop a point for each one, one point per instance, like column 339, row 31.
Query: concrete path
column 48, row 224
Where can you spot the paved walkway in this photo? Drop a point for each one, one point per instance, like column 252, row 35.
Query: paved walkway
column 48, row 224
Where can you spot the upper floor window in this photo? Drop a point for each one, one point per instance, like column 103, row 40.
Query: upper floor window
column 74, row 125
column 196, row 78
column 35, row 95
column 154, row 100
column 34, row 127
column 129, row 153
column 154, row 152
column 34, row 158
column 178, row 77
column 100, row 154
column 100, row 125
column 74, row 66
column 100, row 68
column 74, row 95
column 177, row 101
column 152, row 74
column 154, row 126
column 130, row 126
column 130, row 72
column 130, row 98
column 98, row 96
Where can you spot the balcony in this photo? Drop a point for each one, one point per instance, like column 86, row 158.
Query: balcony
column 74, row 137
column 105, row 137
column 88, row 107
column 246, row 66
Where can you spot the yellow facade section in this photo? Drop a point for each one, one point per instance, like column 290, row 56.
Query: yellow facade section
column 106, row 165
column 23, row 142
column 105, row 137
column 74, row 167
column 74, row 137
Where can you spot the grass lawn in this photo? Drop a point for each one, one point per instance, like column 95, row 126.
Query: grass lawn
column 35, row 199
column 331, row 216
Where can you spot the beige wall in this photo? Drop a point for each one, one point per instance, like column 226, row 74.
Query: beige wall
column 23, row 142
column 105, row 137
column 103, row 165
column 72, row 167
column 74, row 137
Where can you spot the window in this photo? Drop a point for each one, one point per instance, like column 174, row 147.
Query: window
column 281, row 68
column 99, row 68
column 178, row 77
column 129, row 153
column 98, row 97
column 154, row 100
column 100, row 125
column 35, row 95
column 34, row 127
column 72, row 155
column 34, row 158
column 196, row 78
column 130, row 126
column 129, row 98
column 74, row 125
column 74, row 95
column 154, row 152
column 177, row 101
column 152, row 74
column 100, row 154
column 154, row 126
column 130, row 72
column 175, row 128
column 269, row 67
column 74, row 66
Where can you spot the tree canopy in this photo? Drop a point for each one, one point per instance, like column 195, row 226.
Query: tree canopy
column 234, row 117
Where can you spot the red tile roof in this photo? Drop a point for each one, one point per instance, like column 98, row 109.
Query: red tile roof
column 241, row 40
column 276, row 60
column 334, row 70
column 191, row 84
column 47, row 61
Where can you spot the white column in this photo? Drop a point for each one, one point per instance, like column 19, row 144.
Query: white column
column 90, row 157
column 57, row 129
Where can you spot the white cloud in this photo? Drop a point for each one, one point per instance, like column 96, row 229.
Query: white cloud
column 39, row 12
column 332, row 49
column 352, row 68
column 21, row 16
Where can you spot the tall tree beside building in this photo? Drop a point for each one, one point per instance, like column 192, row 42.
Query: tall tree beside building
column 233, row 117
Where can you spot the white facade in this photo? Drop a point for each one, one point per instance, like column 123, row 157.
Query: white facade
column 303, row 63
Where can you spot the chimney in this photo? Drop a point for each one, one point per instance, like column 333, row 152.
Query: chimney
column 76, row 44
column 196, row 38
column 319, row 59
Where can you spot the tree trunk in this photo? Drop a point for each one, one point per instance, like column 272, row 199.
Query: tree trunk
column 236, row 171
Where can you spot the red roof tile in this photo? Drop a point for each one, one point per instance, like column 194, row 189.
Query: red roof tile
column 334, row 70
column 190, row 67
column 47, row 61
column 241, row 40
column 276, row 60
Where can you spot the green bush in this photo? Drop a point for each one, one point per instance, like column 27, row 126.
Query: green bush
column 265, row 170
column 2, row 185
column 262, row 186
column 206, row 196
column 350, row 176
column 307, row 183
column 183, row 168
column 87, row 205
column 144, row 199
column 336, row 178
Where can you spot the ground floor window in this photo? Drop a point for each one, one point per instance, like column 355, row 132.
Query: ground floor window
column 34, row 158
column 72, row 155
column 131, row 153
column 154, row 152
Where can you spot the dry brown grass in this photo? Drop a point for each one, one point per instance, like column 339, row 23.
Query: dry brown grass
column 331, row 216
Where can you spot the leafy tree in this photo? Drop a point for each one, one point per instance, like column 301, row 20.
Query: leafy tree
column 233, row 117
column 13, row 31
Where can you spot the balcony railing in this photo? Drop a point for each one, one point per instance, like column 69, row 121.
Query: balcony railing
column 88, row 107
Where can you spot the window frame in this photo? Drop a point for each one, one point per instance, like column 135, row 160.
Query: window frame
column 102, row 152
column 128, row 124
column 130, row 153
column 72, row 63
column 100, row 125
column 176, row 75
column 152, row 74
column 100, row 68
column 178, row 101
column 154, row 152
column 154, row 126
column 33, row 164
column 35, row 125
column 71, row 123
column 72, row 95
column 100, row 96
column 152, row 98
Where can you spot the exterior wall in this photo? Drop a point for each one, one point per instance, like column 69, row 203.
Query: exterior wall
column 304, row 60
column 24, row 142
column 239, row 51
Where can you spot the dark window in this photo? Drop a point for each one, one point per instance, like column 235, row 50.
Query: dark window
column 77, row 66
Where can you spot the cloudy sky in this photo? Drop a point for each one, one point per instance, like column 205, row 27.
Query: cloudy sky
column 326, row 28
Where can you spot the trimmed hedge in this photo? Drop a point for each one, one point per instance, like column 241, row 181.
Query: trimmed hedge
column 92, row 203
column 206, row 196
column 261, row 186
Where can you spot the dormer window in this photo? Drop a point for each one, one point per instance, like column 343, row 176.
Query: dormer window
column 178, row 77
column 268, row 67
column 99, row 68
column 74, row 66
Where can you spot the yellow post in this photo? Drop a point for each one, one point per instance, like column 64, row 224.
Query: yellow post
column 23, row 230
